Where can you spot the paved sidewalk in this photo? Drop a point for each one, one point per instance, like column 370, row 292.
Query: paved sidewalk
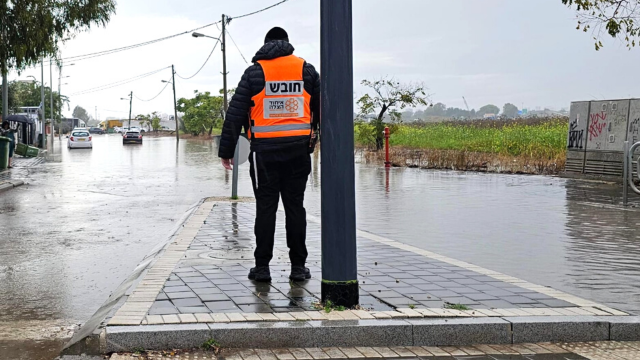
column 396, row 281
column 540, row 351
column 11, row 178
column 195, row 288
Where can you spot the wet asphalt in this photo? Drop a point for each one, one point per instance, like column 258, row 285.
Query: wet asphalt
column 80, row 226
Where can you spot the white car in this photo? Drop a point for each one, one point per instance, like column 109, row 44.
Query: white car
column 79, row 138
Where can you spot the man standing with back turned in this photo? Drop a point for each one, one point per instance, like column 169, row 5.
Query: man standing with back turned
column 278, row 102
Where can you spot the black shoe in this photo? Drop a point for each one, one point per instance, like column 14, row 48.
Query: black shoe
column 260, row 273
column 300, row 273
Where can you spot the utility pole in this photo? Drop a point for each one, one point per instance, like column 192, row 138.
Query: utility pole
column 224, row 62
column 51, row 100
column 236, row 161
column 96, row 113
column 42, row 109
column 130, row 103
column 175, row 110
column 60, row 101
column 5, row 88
column 5, row 96
column 338, row 210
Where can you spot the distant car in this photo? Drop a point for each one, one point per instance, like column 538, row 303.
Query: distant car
column 96, row 130
column 117, row 129
column 131, row 136
column 79, row 138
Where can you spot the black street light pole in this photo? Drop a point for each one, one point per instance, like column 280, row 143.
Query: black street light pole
column 339, row 254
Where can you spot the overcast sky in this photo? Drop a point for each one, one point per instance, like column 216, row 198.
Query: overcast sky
column 491, row 51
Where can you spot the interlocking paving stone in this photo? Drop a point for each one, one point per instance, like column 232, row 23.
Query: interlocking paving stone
column 213, row 273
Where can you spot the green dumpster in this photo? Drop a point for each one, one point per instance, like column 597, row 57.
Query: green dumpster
column 26, row 150
column 4, row 152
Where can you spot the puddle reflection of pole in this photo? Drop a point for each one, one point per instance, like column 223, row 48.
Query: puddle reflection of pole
column 386, row 179
column 234, row 216
column 316, row 161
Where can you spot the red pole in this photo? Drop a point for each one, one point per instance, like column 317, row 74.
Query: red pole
column 387, row 163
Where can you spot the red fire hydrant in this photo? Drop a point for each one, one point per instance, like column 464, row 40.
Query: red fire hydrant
column 387, row 163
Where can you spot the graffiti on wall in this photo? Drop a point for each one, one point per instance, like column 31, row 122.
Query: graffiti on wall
column 597, row 124
column 575, row 136
column 633, row 130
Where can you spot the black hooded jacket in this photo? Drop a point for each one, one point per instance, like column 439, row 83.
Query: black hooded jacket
column 251, row 84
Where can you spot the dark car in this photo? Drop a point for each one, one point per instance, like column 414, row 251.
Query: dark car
column 132, row 137
column 96, row 130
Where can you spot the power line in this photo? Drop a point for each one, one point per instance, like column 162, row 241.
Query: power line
column 134, row 46
column 205, row 62
column 258, row 11
column 111, row 51
column 165, row 86
column 234, row 43
column 118, row 83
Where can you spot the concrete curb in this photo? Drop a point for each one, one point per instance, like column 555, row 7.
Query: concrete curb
column 350, row 333
column 8, row 185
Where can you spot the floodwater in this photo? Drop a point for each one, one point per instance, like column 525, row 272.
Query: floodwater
column 81, row 226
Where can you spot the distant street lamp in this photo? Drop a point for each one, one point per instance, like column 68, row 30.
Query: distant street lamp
column 197, row 35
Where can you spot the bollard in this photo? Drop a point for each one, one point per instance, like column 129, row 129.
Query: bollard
column 387, row 163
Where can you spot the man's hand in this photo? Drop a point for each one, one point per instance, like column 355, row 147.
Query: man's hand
column 227, row 163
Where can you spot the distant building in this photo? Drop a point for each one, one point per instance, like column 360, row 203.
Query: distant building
column 490, row 116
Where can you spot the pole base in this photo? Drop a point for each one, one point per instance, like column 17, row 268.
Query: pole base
column 341, row 293
column 387, row 164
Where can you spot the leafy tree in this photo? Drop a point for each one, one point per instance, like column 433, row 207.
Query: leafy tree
column 389, row 96
column 407, row 115
column 438, row 109
column 145, row 120
column 23, row 93
column 155, row 121
column 80, row 113
column 509, row 110
column 202, row 113
column 488, row 109
column 34, row 28
column 618, row 18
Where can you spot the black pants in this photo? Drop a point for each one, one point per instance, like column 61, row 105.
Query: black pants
column 280, row 175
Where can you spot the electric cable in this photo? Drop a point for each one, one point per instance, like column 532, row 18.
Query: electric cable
column 149, row 42
column 117, row 83
column 153, row 98
column 234, row 43
column 258, row 11
column 205, row 62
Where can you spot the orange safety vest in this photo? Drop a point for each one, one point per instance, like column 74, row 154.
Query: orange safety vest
column 283, row 107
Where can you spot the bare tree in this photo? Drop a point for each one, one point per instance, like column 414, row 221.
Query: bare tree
column 618, row 18
column 390, row 96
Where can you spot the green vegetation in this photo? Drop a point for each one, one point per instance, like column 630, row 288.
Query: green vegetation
column 456, row 306
column 536, row 138
column 328, row 306
column 202, row 113
column 412, row 306
column 211, row 345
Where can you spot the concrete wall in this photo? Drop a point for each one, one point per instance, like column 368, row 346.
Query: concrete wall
column 603, row 133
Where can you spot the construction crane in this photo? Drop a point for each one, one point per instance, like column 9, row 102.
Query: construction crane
column 465, row 103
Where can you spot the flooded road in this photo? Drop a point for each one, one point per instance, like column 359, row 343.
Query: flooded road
column 81, row 226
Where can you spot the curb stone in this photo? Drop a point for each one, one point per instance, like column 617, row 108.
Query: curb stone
column 8, row 185
column 401, row 332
